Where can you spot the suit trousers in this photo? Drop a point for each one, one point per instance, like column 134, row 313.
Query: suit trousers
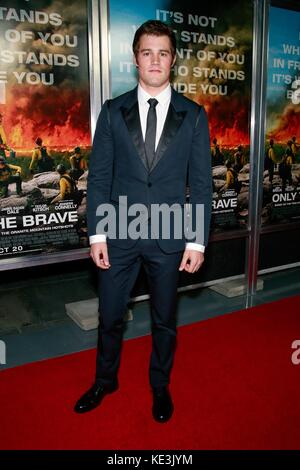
column 115, row 285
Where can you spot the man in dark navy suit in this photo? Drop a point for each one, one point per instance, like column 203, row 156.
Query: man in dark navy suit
column 148, row 143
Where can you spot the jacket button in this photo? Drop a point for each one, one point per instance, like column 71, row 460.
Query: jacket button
column 149, row 185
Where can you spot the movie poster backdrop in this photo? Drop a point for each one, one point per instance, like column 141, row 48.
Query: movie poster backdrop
column 281, row 187
column 44, row 126
column 213, row 68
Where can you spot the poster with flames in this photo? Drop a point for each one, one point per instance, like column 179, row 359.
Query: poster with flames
column 44, row 126
column 213, row 68
column 281, row 187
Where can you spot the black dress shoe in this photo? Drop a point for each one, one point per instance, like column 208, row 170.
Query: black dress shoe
column 93, row 397
column 162, row 409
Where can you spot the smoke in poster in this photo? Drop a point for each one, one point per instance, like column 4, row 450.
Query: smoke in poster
column 282, row 154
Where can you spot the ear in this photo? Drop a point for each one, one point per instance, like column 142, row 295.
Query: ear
column 174, row 60
column 135, row 61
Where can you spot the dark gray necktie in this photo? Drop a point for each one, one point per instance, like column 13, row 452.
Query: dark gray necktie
column 151, row 132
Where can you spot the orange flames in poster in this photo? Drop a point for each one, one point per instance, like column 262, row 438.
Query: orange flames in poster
column 287, row 127
column 59, row 116
column 229, row 121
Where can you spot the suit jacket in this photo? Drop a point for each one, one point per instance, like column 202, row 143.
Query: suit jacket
column 118, row 164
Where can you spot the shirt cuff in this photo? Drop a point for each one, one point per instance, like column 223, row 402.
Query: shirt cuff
column 189, row 246
column 195, row 247
column 97, row 239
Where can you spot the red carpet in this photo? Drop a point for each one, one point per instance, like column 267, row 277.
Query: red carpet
column 234, row 387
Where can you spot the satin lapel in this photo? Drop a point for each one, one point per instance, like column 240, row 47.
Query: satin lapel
column 173, row 122
column 132, row 119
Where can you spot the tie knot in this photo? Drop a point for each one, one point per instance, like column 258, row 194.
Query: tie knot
column 152, row 102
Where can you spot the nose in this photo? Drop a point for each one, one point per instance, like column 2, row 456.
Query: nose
column 155, row 58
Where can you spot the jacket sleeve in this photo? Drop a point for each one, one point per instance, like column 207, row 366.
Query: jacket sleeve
column 2, row 135
column 200, row 181
column 34, row 159
column 72, row 163
column 16, row 168
column 100, row 169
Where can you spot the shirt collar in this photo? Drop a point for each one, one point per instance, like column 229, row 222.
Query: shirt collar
column 163, row 97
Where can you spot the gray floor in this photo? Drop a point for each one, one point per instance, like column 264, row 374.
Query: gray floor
column 34, row 325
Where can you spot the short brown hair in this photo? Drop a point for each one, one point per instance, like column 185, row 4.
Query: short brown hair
column 154, row 28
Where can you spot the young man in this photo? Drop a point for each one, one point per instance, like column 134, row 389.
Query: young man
column 147, row 142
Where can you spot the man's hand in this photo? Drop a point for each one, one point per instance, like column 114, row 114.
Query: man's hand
column 191, row 261
column 99, row 254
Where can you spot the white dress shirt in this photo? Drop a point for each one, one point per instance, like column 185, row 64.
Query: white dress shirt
column 161, row 108
column 163, row 98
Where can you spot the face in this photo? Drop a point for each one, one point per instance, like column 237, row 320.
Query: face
column 154, row 61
